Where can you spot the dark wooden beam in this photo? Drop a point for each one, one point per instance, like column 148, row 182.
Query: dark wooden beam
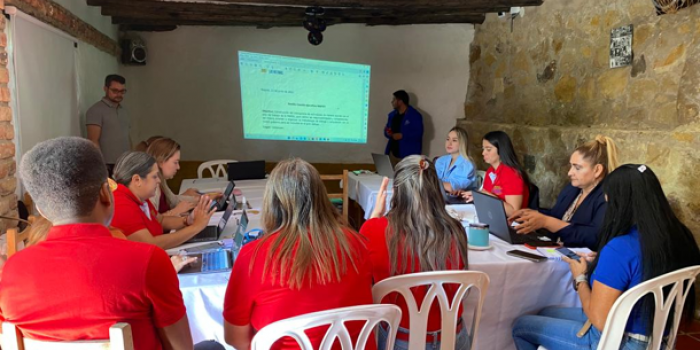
column 59, row 17
column 387, row 4
column 269, row 23
column 213, row 14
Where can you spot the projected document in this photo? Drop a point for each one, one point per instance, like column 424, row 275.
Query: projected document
column 296, row 99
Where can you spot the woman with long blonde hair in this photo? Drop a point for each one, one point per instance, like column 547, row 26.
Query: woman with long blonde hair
column 416, row 235
column 307, row 260
column 577, row 216
column 456, row 169
column 166, row 152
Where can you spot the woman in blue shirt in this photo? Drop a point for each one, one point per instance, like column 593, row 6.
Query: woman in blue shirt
column 577, row 216
column 641, row 239
column 455, row 169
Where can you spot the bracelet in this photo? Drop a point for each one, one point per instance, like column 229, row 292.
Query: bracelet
column 579, row 279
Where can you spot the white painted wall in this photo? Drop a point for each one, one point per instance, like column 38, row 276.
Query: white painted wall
column 93, row 65
column 189, row 89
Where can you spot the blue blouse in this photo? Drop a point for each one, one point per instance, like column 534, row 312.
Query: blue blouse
column 461, row 175
column 584, row 226
column 620, row 267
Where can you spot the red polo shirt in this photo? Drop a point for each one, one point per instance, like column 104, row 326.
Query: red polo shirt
column 253, row 298
column 505, row 181
column 80, row 281
column 128, row 215
column 375, row 231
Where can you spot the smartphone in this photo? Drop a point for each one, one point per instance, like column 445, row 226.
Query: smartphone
column 525, row 255
column 568, row 253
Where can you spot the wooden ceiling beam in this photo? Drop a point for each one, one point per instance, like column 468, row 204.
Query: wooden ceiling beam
column 386, row 4
column 120, row 7
column 286, row 22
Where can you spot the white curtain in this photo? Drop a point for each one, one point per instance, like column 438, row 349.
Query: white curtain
column 44, row 82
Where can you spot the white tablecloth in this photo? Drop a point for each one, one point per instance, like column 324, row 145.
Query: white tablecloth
column 517, row 286
column 364, row 188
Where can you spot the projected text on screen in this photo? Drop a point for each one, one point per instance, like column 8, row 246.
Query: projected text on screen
column 296, row 99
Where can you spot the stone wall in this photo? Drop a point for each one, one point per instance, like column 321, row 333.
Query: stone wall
column 8, row 183
column 548, row 84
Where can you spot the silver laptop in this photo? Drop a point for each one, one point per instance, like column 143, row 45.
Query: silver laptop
column 490, row 211
column 383, row 164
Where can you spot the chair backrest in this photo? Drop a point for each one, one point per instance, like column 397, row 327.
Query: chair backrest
column 217, row 168
column 435, row 280
column 344, row 195
column 120, row 338
column 335, row 319
column 480, row 176
column 16, row 240
column 677, row 285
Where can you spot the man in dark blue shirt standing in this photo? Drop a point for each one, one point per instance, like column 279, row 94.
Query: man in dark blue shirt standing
column 404, row 129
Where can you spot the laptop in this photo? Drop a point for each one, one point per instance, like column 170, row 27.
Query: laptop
column 221, row 203
column 490, row 211
column 383, row 164
column 213, row 233
column 246, row 170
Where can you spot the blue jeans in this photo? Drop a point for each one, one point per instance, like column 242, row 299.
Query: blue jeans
column 555, row 328
column 461, row 342
column 208, row 345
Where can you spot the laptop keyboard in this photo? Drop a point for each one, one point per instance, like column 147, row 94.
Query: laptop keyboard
column 215, row 260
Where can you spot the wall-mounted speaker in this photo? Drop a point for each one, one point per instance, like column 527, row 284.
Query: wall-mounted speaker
column 134, row 52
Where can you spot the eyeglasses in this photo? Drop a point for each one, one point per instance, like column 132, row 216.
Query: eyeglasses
column 115, row 91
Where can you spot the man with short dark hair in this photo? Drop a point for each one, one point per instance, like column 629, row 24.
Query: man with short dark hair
column 108, row 123
column 80, row 280
column 404, row 129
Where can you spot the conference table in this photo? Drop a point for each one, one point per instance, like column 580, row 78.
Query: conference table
column 517, row 286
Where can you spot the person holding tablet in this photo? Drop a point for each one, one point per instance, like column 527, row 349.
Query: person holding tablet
column 456, row 169
column 505, row 177
column 136, row 174
column 577, row 216
column 641, row 239
column 308, row 260
column 416, row 235
column 167, row 155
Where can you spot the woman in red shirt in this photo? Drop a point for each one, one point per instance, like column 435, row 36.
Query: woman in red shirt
column 137, row 176
column 505, row 178
column 307, row 261
column 416, row 235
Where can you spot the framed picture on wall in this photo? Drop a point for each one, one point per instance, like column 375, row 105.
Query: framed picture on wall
column 621, row 46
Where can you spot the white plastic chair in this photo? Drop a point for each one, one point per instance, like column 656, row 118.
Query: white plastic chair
column 335, row 319
column 480, row 176
column 120, row 338
column 217, row 168
column 678, row 283
column 419, row 315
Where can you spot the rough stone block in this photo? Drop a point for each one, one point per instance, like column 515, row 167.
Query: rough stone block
column 8, row 186
column 7, row 168
column 565, row 90
column 7, row 131
column 5, row 114
column 7, row 150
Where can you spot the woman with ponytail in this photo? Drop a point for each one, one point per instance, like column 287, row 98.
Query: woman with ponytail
column 416, row 235
column 641, row 238
column 577, row 216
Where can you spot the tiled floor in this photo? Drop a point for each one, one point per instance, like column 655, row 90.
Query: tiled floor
column 689, row 337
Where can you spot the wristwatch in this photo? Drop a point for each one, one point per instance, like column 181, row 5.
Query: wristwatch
column 580, row 278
